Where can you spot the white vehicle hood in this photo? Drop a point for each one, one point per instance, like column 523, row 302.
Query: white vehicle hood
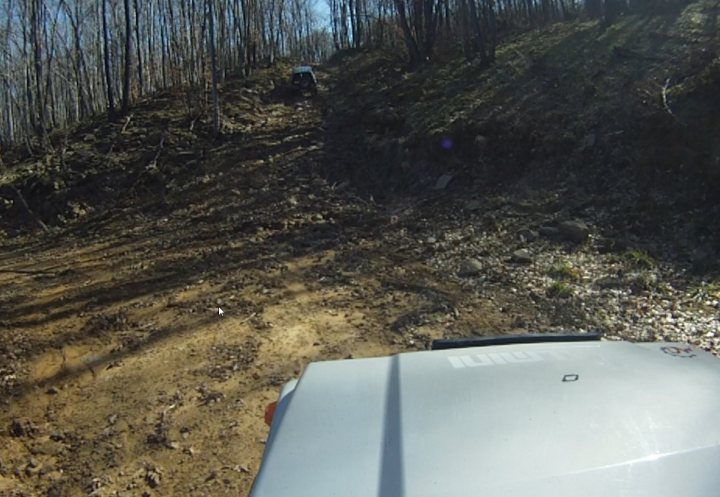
column 587, row 419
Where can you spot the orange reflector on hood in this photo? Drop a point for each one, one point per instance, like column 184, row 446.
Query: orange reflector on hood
column 270, row 412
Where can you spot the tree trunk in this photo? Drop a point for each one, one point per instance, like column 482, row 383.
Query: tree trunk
column 410, row 42
column 478, row 42
column 357, row 37
column 594, row 8
column 613, row 9
column 213, row 59
column 79, row 62
column 138, row 48
column 36, row 23
column 128, row 58
column 108, row 71
column 430, row 16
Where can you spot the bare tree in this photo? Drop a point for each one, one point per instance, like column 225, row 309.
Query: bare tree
column 36, row 25
column 138, row 48
column 418, row 21
column 213, row 58
column 128, row 57
column 108, row 65
column 64, row 60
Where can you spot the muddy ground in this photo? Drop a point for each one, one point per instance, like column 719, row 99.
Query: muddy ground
column 120, row 376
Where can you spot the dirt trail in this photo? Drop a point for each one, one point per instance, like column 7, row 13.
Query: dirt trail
column 121, row 376
column 118, row 375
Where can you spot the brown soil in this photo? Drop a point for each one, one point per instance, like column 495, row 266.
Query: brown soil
column 121, row 376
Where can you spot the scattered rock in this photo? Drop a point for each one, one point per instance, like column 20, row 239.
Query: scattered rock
column 55, row 491
column 608, row 282
column 588, row 141
column 611, row 245
column 470, row 267
column 208, row 396
column 443, row 181
column 20, row 428
column 213, row 474
column 522, row 256
column 153, row 476
column 57, row 436
column 53, row 391
column 31, row 469
column 47, row 448
column 16, row 428
column 473, row 205
column 574, row 231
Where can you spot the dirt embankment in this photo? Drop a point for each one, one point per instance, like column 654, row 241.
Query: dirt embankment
column 622, row 116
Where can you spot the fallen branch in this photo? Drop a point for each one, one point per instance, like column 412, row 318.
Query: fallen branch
column 192, row 124
column 663, row 93
column 127, row 122
column 109, row 152
column 153, row 163
column 28, row 210
column 251, row 316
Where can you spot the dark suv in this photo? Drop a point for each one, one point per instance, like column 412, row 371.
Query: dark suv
column 303, row 80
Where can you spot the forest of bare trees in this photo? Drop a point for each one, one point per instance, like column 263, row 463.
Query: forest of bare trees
column 64, row 60
column 474, row 25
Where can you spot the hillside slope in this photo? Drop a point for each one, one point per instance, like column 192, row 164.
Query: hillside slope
column 624, row 118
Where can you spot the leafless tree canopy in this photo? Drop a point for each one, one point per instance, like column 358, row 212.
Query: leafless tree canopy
column 64, row 60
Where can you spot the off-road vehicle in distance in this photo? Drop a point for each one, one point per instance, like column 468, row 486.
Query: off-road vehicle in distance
column 511, row 416
column 303, row 80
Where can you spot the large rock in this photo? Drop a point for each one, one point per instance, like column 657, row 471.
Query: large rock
column 443, row 181
column 574, row 231
column 470, row 267
column 522, row 256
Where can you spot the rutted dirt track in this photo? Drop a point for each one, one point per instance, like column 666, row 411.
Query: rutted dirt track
column 119, row 376
column 123, row 379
